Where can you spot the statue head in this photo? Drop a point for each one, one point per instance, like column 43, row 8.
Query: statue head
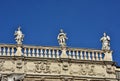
column 104, row 34
column 19, row 28
column 61, row 30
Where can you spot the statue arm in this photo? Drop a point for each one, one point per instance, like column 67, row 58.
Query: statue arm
column 15, row 33
column 58, row 37
column 108, row 38
column 101, row 39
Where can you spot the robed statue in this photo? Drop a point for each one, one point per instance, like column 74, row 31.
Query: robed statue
column 105, row 42
column 62, row 38
column 19, row 36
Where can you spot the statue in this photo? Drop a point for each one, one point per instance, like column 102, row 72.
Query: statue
column 105, row 42
column 62, row 38
column 19, row 36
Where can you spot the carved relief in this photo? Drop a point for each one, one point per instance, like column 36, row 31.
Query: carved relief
column 74, row 69
column 91, row 72
column 4, row 66
column 83, row 70
column 55, row 68
column 25, row 66
column 1, row 65
column 110, row 69
column 11, row 66
column 42, row 67
column 65, row 66
column 19, row 64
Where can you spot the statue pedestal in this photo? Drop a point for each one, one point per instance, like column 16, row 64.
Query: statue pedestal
column 19, row 51
column 108, row 55
column 63, row 55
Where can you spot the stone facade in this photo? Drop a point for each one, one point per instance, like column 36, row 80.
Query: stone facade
column 37, row 63
column 19, row 62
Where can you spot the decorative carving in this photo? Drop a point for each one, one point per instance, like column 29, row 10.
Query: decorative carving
column 65, row 66
column 87, row 70
column 91, row 72
column 11, row 68
column 110, row 69
column 42, row 67
column 83, row 70
column 55, row 69
column 74, row 69
column 19, row 64
column 1, row 65
column 25, row 66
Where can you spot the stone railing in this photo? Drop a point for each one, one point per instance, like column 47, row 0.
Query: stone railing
column 85, row 54
column 7, row 50
column 51, row 52
column 41, row 51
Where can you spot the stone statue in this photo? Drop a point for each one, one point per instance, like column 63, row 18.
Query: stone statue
column 62, row 38
column 19, row 36
column 105, row 42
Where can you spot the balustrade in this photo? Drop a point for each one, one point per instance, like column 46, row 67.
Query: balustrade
column 85, row 54
column 7, row 50
column 43, row 52
column 52, row 52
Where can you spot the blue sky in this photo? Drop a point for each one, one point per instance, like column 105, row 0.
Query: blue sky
column 84, row 21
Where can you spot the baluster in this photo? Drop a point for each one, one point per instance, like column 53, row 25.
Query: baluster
column 49, row 53
column 45, row 53
column 93, row 56
column 41, row 53
column 57, row 53
column 77, row 54
column 25, row 52
column 69, row 53
column 4, row 51
column 0, row 50
column 100, row 55
column 33, row 52
column 29, row 53
column 96, row 56
column 8, row 51
column 85, row 55
column 89, row 55
column 74, row 56
column 53, row 53
column 37, row 52
column 81, row 55
column 12, row 54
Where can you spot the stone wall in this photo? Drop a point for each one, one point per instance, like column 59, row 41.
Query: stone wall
column 57, row 69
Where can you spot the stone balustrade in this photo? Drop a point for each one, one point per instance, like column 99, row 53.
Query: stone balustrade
column 41, row 51
column 7, row 50
column 52, row 52
column 85, row 54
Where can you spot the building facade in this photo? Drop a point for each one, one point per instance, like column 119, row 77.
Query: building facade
column 19, row 62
